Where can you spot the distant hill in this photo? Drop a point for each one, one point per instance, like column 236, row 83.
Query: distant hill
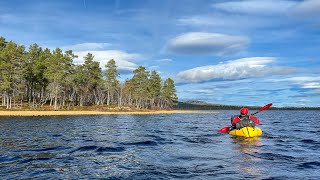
column 202, row 105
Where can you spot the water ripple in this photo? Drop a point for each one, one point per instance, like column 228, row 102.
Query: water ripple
column 177, row 146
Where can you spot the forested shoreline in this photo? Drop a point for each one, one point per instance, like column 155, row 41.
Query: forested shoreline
column 38, row 77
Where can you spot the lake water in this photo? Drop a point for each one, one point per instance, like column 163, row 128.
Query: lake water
column 176, row 146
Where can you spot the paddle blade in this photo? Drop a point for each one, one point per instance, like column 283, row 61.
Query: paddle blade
column 265, row 107
column 224, row 129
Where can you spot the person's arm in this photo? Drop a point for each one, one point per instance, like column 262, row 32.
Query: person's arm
column 235, row 120
column 256, row 120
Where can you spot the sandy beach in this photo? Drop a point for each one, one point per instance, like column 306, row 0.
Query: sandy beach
column 59, row 113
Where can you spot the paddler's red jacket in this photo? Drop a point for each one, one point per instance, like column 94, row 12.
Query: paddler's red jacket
column 237, row 119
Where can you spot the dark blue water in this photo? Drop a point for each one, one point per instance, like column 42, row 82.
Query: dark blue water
column 180, row 146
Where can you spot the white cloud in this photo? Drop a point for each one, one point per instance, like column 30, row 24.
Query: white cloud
column 153, row 67
column 214, row 20
column 306, row 82
column 307, row 8
column 87, row 46
column 235, row 69
column 298, row 79
column 206, row 43
column 311, row 85
column 123, row 59
column 165, row 60
column 256, row 7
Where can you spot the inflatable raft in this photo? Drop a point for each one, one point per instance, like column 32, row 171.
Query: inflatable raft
column 246, row 132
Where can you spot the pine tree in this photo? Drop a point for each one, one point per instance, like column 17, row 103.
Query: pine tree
column 11, row 72
column 169, row 93
column 59, row 67
column 155, row 88
column 30, row 74
column 141, row 88
column 111, row 76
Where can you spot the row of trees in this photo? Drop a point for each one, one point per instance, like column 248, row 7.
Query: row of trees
column 40, row 77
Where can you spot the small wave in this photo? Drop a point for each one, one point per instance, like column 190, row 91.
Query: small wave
column 141, row 143
column 110, row 149
column 199, row 140
column 42, row 172
column 279, row 142
column 56, row 135
column 275, row 177
column 192, row 158
column 156, row 138
column 309, row 141
column 160, row 140
column 26, row 161
column 270, row 136
column 315, row 147
column 85, row 148
column 309, row 165
column 275, row 157
column 49, row 149
column 6, row 159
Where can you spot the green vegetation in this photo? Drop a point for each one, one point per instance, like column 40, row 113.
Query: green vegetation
column 39, row 78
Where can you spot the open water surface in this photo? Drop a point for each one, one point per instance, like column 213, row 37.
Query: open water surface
column 176, row 146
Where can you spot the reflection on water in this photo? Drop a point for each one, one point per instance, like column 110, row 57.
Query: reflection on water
column 245, row 147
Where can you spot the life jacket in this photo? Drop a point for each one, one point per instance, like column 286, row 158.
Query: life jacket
column 245, row 121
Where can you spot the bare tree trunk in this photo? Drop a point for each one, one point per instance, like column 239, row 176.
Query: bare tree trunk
column 21, row 101
column 55, row 103
column 108, row 99
column 81, row 100
column 14, row 101
column 3, row 99
column 9, row 104
column 51, row 100
column 42, row 93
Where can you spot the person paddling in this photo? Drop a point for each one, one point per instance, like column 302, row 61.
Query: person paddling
column 244, row 120
column 239, row 119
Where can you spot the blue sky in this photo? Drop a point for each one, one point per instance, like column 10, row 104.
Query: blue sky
column 248, row 52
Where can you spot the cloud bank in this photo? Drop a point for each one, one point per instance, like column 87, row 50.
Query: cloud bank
column 235, row 69
column 206, row 43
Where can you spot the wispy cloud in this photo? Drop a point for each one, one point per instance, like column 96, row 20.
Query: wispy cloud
column 87, row 46
column 298, row 79
column 256, row 7
column 9, row 19
column 312, row 85
column 206, row 43
column 307, row 8
column 165, row 60
column 306, row 82
column 235, row 69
